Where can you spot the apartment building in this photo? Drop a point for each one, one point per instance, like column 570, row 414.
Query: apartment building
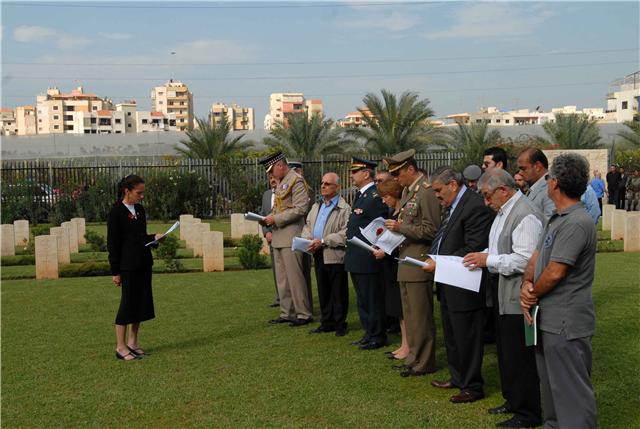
column 355, row 119
column 8, row 122
column 26, row 120
column 494, row 116
column 156, row 121
column 56, row 111
column 283, row 105
column 240, row 118
column 99, row 122
column 129, row 108
column 622, row 105
column 174, row 98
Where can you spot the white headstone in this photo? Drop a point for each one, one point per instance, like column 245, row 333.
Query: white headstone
column 196, row 237
column 21, row 232
column 607, row 216
column 46, row 257
column 81, row 227
column 617, row 225
column 212, row 251
column 237, row 225
column 8, row 240
column 188, row 228
column 73, row 236
column 251, row 228
column 184, row 219
column 64, row 257
column 632, row 232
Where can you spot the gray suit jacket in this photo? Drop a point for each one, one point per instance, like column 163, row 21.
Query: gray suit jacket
column 265, row 210
column 539, row 197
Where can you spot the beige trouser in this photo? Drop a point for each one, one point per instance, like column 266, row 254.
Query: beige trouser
column 417, row 312
column 292, row 285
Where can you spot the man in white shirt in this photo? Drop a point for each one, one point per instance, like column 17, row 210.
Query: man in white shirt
column 512, row 240
column 533, row 166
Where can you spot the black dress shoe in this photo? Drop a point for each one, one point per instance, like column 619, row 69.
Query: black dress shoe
column 372, row 345
column 300, row 322
column 278, row 321
column 517, row 422
column 341, row 332
column 412, row 373
column 274, row 305
column 502, row 409
column 321, row 330
column 360, row 342
column 400, row 367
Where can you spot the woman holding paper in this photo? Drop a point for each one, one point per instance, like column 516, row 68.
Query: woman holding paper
column 391, row 193
column 130, row 260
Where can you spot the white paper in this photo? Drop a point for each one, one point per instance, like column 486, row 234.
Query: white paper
column 359, row 243
column 169, row 231
column 253, row 216
column 412, row 261
column 450, row 271
column 301, row 245
column 380, row 236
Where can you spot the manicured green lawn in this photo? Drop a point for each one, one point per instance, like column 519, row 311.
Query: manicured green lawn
column 216, row 363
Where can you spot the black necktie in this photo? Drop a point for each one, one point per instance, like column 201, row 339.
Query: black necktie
column 435, row 244
column 358, row 194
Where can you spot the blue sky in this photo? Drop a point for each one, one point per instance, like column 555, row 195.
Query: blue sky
column 459, row 55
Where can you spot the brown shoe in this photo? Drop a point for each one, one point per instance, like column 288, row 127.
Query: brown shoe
column 465, row 396
column 442, row 384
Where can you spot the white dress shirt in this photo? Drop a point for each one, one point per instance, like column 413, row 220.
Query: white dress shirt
column 524, row 239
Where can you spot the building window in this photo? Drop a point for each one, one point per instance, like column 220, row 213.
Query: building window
column 68, row 117
column 160, row 102
column 497, row 121
column 93, row 120
column 118, row 132
column 55, row 107
column 128, row 113
column 506, row 121
column 625, row 105
column 105, row 121
column 69, row 108
column 94, row 131
column 68, row 127
column 56, row 127
column 94, row 108
column 39, row 121
column 87, row 131
column 118, row 121
column 144, row 121
column 128, row 125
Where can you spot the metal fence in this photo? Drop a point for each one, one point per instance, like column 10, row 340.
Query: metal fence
column 50, row 175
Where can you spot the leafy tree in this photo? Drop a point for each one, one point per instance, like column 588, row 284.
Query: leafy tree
column 208, row 141
column 472, row 140
column 305, row 137
column 394, row 124
column 572, row 131
column 632, row 135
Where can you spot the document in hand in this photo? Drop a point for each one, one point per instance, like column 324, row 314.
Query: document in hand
column 450, row 271
column 412, row 261
column 300, row 245
column 253, row 216
column 531, row 332
column 355, row 241
column 380, row 236
column 169, row 231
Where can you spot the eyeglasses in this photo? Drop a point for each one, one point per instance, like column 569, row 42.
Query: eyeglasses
column 327, row 184
column 548, row 176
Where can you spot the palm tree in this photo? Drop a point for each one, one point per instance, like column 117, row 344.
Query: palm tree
column 632, row 135
column 394, row 124
column 472, row 140
column 212, row 141
column 305, row 137
column 572, row 131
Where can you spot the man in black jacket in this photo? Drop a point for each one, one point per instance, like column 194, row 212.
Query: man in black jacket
column 465, row 227
column 613, row 177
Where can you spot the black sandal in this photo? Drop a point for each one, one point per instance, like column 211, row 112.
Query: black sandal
column 137, row 352
column 122, row 357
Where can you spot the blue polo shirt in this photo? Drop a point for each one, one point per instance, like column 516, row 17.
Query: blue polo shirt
column 323, row 215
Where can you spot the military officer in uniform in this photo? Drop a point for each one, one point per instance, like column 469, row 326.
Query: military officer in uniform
column 418, row 221
column 364, row 268
column 291, row 204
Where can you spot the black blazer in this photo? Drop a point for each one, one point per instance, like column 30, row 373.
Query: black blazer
column 365, row 209
column 126, row 237
column 467, row 231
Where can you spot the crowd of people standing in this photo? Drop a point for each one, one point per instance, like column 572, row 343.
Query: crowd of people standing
column 531, row 235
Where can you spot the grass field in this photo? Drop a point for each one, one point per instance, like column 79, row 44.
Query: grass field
column 216, row 363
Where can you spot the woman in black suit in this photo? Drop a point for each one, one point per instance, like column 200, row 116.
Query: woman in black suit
column 391, row 193
column 131, row 265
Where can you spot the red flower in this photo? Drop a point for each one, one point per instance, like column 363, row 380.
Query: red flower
column 131, row 216
column 379, row 231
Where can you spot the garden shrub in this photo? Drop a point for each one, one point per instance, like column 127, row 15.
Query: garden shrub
column 167, row 251
column 230, row 242
column 249, row 252
column 18, row 260
column 170, row 194
column 21, row 200
column 85, row 269
column 96, row 241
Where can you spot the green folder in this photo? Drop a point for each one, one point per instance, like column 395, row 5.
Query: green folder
column 531, row 332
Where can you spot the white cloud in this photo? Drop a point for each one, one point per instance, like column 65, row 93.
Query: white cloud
column 486, row 20
column 115, row 36
column 35, row 33
column 396, row 21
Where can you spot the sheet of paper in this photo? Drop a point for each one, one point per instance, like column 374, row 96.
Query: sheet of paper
column 450, row 271
column 372, row 231
column 412, row 261
column 253, row 216
column 355, row 241
column 300, row 245
column 531, row 332
column 169, row 231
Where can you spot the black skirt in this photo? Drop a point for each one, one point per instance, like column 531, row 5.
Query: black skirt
column 392, row 300
column 136, row 302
